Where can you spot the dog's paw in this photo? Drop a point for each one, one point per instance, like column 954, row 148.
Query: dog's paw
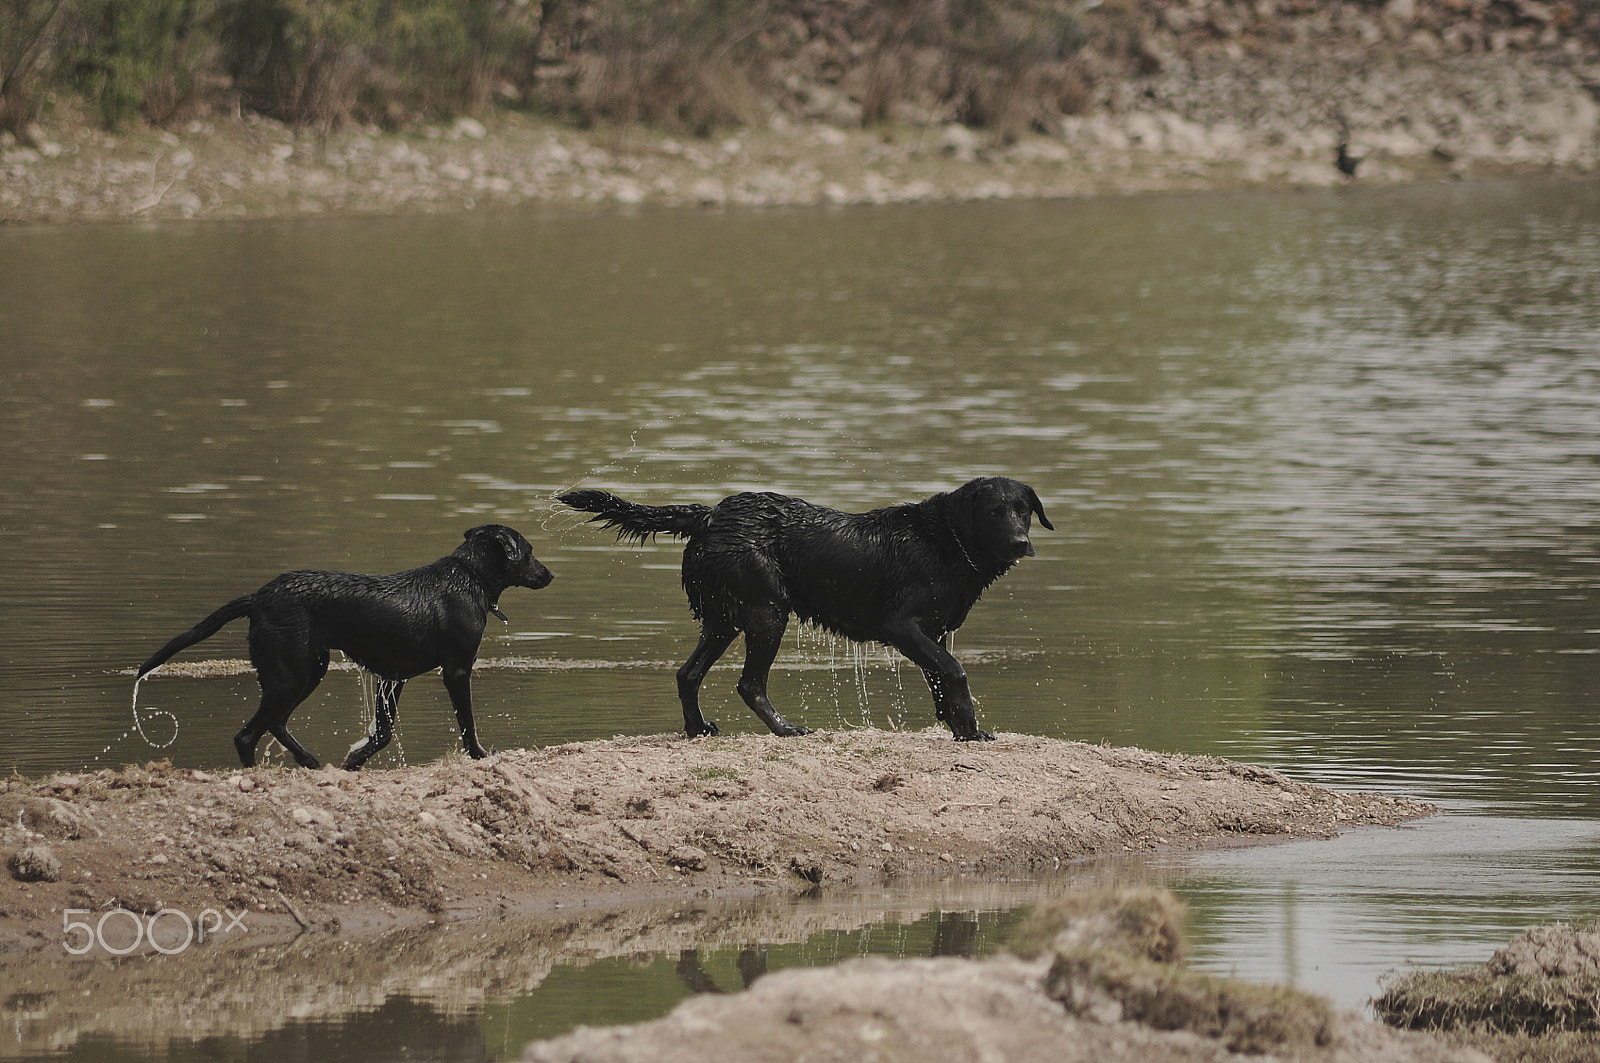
column 710, row 730
column 979, row 735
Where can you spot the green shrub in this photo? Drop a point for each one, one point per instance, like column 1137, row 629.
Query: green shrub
column 694, row 65
column 27, row 33
column 303, row 60
column 141, row 57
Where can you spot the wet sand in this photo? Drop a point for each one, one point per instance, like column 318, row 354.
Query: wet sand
column 658, row 816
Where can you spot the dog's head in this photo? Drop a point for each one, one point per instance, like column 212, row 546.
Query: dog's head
column 506, row 555
column 993, row 515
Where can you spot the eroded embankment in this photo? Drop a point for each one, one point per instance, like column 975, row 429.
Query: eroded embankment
column 659, row 816
column 1099, row 983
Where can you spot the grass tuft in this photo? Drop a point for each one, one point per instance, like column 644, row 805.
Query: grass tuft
column 1114, row 957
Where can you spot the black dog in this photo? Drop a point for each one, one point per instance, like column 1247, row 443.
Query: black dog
column 395, row 627
column 905, row 576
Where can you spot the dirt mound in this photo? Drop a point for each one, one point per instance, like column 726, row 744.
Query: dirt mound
column 630, row 817
column 1545, row 983
column 1049, row 1007
column 1549, row 952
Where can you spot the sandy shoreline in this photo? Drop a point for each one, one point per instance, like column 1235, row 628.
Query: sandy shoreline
column 511, row 866
column 658, row 816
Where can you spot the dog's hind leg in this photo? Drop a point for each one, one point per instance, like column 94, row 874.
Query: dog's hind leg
column 279, row 724
column 276, row 705
column 289, row 665
column 714, row 642
column 385, row 709
column 761, row 644
column 458, row 681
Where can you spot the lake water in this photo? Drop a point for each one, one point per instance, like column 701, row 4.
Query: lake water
column 1324, row 469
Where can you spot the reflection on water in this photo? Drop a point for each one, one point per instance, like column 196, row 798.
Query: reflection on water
column 1323, row 467
column 1332, row 917
column 1335, row 917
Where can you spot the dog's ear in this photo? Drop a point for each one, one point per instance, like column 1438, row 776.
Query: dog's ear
column 512, row 545
column 1038, row 507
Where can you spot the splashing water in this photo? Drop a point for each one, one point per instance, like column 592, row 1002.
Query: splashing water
column 897, row 700
column 369, row 716
column 138, row 722
column 818, row 651
column 858, row 662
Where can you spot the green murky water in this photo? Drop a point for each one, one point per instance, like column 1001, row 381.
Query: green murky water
column 1323, row 469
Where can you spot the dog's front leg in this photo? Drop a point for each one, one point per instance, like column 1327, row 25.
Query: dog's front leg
column 458, row 681
column 947, row 681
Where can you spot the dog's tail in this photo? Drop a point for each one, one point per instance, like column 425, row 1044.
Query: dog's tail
column 637, row 522
column 237, row 609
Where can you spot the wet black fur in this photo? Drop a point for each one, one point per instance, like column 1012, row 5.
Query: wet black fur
column 905, row 576
column 396, row 627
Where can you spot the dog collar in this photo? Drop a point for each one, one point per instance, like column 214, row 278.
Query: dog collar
column 494, row 608
column 962, row 547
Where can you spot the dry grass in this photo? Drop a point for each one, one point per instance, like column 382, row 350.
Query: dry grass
column 1115, row 957
column 1475, row 999
column 1537, row 1000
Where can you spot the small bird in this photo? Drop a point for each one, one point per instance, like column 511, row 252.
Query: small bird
column 1342, row 159
column 1345, row 161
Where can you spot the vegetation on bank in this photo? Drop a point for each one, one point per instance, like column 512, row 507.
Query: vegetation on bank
column 696, row 65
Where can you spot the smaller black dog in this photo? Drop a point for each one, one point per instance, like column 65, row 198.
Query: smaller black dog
column 396, row 627
column 905, row 576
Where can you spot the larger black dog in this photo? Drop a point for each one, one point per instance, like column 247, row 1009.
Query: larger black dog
column 905, row 576
column 396, row 627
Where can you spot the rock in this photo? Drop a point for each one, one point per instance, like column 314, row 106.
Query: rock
column 56, row 819
column 34, row 864
column 470, row 128
column 307, row 816
column 688, row 858
column 958, row 140
column 709, row 192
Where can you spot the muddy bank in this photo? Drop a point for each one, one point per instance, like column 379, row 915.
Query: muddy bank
column 1208, row 118
column 1106, row 986
column 632, row 817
